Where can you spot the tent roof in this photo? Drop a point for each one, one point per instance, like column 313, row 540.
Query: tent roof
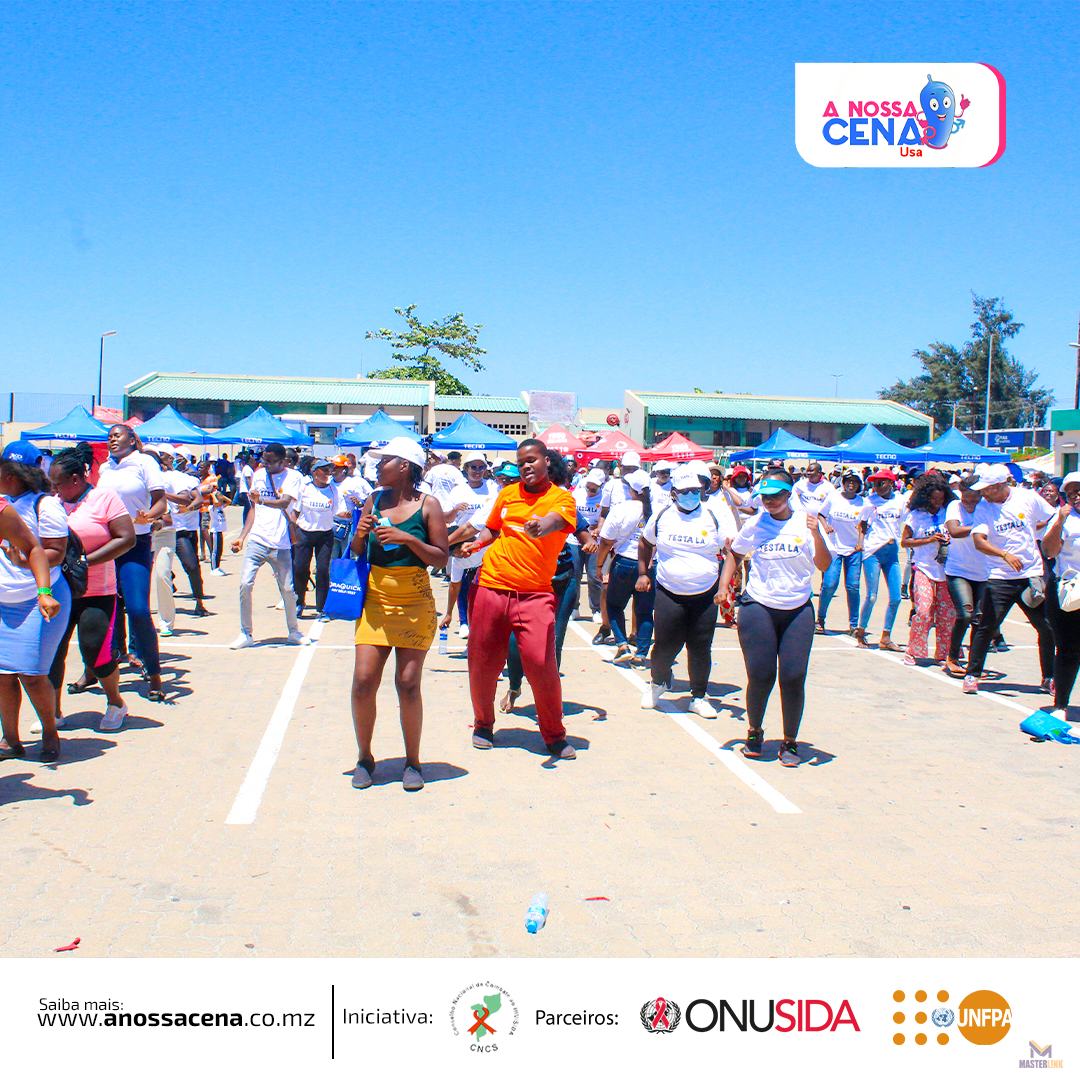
column 954, row 445
column 782, row 444
column 261, row 427
column 612, row 446
column 558, row 438
column 677, row 447
column 868, row 444
column 168, row 426
column 77, row 426
column 468, row 433
column 378, row 428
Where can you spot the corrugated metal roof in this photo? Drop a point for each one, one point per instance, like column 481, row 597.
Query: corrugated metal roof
column 597, row 427
column 176, row 387
column 781, row 410
column 480, row 403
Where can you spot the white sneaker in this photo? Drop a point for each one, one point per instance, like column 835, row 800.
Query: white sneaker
column 1057, row 714
column 280, row 606
column 597, row 618
column 218, row 572
column 244, row 641
column 463, row 632
column 701, row 707
column 35, row 727
column 971, row 684
column 296, row 638
column 651, row 698
column 114, row 718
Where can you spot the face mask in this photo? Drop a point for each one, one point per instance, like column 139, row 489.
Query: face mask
column 688, row 500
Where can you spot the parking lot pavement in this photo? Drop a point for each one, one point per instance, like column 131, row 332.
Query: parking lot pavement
column 921, row 823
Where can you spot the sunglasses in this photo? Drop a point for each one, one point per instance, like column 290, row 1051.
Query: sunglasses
column 476, row 465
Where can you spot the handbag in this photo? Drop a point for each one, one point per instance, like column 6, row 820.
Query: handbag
column 348, row 583
column 1069, row 592
column 1043, row 727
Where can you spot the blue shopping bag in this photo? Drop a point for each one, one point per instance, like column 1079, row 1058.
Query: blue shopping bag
column 1041, row 725
column 348, row 583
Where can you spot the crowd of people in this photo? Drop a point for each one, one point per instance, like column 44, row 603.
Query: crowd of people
column 667, row 556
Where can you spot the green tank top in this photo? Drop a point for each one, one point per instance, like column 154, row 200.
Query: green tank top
column 401, row 555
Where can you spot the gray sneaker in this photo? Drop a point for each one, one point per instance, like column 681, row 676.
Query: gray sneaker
column 789, row 755
column 412, row 779
column 363, row 774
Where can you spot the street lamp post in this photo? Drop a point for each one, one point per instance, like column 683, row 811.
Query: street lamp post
column 1076, row 396
column 989, row 365
column 101, row 361
column 836, row 384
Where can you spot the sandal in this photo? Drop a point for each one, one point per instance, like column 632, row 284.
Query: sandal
column 860, row 639
column 81, row 688
column 889, row 646
column 7, row 751
column 507, row 703
column 155, row 695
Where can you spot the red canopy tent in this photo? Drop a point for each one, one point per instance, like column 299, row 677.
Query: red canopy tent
column 609, row 447
column 558, row 438
column 677, row 447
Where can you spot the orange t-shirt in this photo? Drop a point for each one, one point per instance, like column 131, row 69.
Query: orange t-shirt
column 516, row 561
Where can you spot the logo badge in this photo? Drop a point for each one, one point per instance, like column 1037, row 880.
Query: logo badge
column 484, row 1013
column 660, row 1016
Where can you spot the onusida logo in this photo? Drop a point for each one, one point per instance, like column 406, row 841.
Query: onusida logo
column 783, row 1016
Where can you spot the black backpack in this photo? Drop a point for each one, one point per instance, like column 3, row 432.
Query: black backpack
column 75, row 568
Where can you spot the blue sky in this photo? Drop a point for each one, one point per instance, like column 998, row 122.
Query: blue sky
column 612, row 190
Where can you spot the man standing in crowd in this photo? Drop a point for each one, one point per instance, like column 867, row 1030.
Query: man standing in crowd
column 266, row 539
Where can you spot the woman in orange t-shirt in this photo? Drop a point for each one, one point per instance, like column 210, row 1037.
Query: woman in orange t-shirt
column 526, row 529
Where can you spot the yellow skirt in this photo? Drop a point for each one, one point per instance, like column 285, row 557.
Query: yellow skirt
column 399, row 609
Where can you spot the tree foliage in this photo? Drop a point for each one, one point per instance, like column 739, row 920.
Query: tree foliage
column 452, row 337
column 957, row 376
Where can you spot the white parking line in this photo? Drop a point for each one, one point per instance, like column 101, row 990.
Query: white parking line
column 248, row 798
column 728, row 758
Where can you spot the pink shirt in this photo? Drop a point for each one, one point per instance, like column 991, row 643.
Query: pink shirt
column 89, row 519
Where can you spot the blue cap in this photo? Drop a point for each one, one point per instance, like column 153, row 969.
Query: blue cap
column 508, row 469
column 23, row 451
column 773, row 485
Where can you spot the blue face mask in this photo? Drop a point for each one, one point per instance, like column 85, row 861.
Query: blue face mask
column 688, row 500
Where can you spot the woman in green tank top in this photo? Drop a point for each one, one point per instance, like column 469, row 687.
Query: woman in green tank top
column 404, row 532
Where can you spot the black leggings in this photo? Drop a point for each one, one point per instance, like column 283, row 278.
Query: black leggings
column 774, row 639
column 95, row 617
column 1066, row 628
column 684, row 620
column 998, row 597
column 187, row 551
column 216, row 550
column 321, row 543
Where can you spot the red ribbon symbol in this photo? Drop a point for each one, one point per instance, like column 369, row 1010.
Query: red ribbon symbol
column 661, row 1015
column 480, row 1022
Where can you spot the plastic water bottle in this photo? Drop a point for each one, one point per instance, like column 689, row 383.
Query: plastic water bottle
column 384, row 520
column 444, row 647
column 537, row 914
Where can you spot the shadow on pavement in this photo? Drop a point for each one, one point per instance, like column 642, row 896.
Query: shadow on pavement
column 15, row 788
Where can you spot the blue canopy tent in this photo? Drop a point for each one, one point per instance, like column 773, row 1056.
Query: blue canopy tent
column 953, row 446
column 168, row 426
column 259, row 429
column 468, row 433
column 378, row 428
column 77, row 426
column 869, row 445
column 782, row 444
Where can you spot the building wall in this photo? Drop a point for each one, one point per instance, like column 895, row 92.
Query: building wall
column 516, row 425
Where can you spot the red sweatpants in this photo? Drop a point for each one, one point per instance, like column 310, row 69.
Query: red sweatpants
column 493, row 614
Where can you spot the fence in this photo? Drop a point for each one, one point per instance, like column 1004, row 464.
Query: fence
column 45, row 408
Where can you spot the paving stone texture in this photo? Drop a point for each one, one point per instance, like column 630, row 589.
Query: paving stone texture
column 930, row 825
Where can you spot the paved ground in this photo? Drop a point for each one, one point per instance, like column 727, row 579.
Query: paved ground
column 928, row 824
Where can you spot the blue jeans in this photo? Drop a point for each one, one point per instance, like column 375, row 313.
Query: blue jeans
column 831, row 579
column 133, row 573
column 467, row 578
column 887, row 560
column 621, row 587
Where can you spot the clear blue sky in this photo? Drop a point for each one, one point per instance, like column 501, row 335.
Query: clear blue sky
column 613, row 190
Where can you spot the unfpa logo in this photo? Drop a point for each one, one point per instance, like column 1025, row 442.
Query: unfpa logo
column 983, row 1017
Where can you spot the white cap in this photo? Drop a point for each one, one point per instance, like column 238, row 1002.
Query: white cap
column 685, row 476
column 701, row 470
column 637, row 481
column 403, row 447
column 991, row 474
column 1070, row 478
column 662, row 466
column 631, row 457
column 596, row 476
column 474, row 455
column 165, row 448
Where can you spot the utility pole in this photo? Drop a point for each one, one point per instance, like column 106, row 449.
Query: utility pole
column 1076, row 395
column 989, row 366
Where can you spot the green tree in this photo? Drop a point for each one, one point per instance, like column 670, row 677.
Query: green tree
column 452, row 337
column 957, row 376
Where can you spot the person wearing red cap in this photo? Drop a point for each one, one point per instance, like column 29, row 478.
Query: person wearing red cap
column 882, row 519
